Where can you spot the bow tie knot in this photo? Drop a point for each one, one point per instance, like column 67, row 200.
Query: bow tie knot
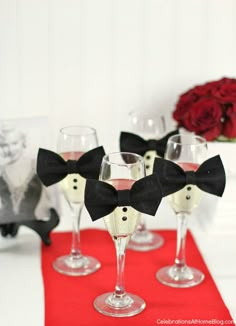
column 152, row 144
column 190, row 178
column 71, row 167
column 123, row 198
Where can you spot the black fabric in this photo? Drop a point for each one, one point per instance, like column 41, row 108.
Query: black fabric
column 52, row 168
column 102, row 198
column 132, row 143
column 210, row 176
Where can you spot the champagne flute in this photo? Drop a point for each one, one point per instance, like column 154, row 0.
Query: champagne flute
column 149, row 125
column 121, row 170
column 188, row 151
column 73, row 142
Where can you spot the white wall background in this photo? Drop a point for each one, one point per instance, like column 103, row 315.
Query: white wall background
column 92, row 61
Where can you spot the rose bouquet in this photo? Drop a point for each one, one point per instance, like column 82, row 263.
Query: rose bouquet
column 209, row 110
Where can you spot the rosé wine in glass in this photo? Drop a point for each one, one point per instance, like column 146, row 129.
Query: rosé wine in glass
column 188, row 151
column 73, row 142
column 121, row 170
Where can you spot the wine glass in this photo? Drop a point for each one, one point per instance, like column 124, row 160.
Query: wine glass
column 188, row 151
column 121, row 170
column 149, row 125
column 73, row 142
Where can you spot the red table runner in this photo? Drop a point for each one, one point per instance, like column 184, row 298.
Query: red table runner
column 69, row 300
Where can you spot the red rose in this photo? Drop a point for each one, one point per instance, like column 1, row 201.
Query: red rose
column 204, row 118
column 184, row 104
column 213, row 133
column 205, row 90
column 225, row 91
column 229, row 127
column 209, row 109
column 187, row 99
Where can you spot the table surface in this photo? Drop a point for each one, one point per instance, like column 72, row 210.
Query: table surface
column 21, row 286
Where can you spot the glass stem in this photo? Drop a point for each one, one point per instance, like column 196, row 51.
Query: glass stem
column 120, row 244
column 180, row 260
column 76, row 215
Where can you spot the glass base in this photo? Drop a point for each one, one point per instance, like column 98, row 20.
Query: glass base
column 74, row 266
column 145, row 241
column 110, row 305
column 177, row 277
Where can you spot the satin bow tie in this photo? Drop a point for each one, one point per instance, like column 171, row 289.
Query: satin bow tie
column 52, row 168
column 135, row 144
column 209, row 177
column 101, row 198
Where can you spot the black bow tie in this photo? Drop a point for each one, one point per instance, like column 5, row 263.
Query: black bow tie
column 135, row 144
column 52, row 168
column 209, row 177
column 101, row 198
